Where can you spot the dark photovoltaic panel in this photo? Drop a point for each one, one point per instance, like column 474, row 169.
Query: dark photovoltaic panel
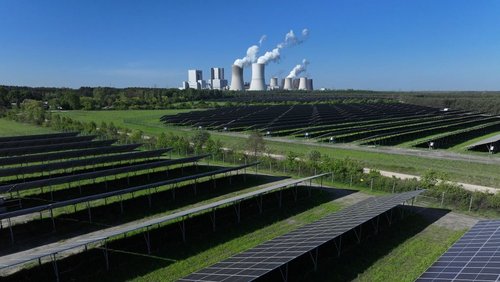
column 100, row 237
column 475, row 257
column 81, row 163
column 491, row 140
column 254, row 263
column 7, row 152
column 118, row 192
column 91, row 175
column 67, row 154
column 38, row 136
column 48, row 141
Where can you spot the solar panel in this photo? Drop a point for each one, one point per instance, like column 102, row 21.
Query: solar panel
column 7, row 152
column 475, row 257
column 47, row 141
column 271, row 255
column 117, row 192
column 81, row 163
column 91, row 175
column 37, row 136
column 99, row 237
column 67, row 154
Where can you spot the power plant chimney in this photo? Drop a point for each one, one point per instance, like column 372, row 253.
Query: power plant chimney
column 310, row 84
column 237, row 78
column 303, row 83
column 257, row 83
column 288, row 85
column 274, row 83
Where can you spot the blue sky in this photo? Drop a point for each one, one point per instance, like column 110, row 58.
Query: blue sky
column 380, row 45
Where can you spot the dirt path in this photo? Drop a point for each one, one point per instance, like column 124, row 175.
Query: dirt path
column 466, row 186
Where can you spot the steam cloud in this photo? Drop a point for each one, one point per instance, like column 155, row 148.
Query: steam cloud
column 250, row 58
column 298, row 69
column 262, row 39
column 290, row 40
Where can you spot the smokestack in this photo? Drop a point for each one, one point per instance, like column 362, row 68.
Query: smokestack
column 288, row 85
column 237, row 78
column 310, row 84
column 257, row 83
column 303, row 83
column 274, row 83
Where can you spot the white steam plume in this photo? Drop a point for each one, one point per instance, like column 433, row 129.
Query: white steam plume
column 290, row 40
column 262, row 39
column 250, row 58
column 298, row 69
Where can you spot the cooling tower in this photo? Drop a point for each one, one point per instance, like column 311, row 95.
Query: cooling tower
column 288, row 85
column 303, row 83
column 310, row 84
column 257, row 83
column 274, row 83
column 237, row 78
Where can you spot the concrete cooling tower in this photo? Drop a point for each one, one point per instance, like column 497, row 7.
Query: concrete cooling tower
column 257, row 83
column 310, row 84
column 288, row 84
column 303, row 83
column 237, row 78
column 274, row 83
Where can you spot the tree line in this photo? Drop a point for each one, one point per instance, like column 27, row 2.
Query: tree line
column 96, row 98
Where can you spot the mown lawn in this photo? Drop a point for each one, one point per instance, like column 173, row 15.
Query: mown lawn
column 12, row 128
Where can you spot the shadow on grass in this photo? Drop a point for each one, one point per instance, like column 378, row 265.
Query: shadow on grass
column 129, row 258
column 39, row 232
column 357, row 258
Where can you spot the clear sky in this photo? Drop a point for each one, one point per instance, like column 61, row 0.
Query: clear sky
column 360, row 44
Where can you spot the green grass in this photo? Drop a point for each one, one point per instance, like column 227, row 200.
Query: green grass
column 12, row 128
column 414, row 255
column 401, row 253
column 149, row 122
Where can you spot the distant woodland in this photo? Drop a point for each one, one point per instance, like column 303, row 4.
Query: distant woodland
column 108, row 98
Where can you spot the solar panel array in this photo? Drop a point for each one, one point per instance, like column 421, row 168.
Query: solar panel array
column 101, row 236
column 271, row 255
column 8, row 152
column 37, row 136
column 120, row 191
column 475, row 257
column 93, row 161
column 94, row 174
column 79, row 153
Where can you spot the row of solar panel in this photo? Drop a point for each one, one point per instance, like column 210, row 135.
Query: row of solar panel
column 273, row 254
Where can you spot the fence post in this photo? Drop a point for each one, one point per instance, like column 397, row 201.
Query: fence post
column 371, row 184
column 470, row 204
column 331, row 173
column 350, row 183
column 442, row 200
column 393, row 186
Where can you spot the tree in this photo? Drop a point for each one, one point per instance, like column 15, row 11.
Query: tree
column 162, row 141
column 314, row 156
column 255, row 143
column 199, row 139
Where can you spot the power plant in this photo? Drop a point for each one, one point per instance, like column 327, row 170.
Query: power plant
column 195, row 80
column 258, row 81
column 237, row 78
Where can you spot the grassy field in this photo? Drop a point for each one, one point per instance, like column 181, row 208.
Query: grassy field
column 149, row 122
column 12, row 128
